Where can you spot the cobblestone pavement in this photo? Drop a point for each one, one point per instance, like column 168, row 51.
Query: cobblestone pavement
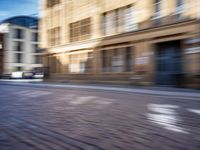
column 64, row 119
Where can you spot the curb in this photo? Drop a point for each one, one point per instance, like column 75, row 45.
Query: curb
column 107, row 88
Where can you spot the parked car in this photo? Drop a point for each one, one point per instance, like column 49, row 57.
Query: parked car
column 22, row 75
column 28, row 75
column 16, row 75
column 5, row 76
column 38, row 75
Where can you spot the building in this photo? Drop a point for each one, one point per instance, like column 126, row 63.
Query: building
column 1, row 53
column 20, row 44
column 129, row 41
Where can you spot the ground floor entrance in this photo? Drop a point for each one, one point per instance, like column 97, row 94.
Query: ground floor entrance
column 168, row 63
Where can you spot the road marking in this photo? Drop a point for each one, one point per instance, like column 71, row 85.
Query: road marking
column 166, row 116
column 95, row 101
column 82, row 100
column 176, row 97
column 164, row 109
column 196, row 111
column 32, row 93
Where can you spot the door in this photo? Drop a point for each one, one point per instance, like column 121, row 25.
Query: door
column 168, row 64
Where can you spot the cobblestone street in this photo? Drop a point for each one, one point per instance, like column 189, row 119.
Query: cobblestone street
column 36, row 118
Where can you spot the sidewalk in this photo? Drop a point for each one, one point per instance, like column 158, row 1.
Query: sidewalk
column 161, row 91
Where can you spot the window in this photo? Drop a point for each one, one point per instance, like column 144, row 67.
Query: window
column 74, row 65
column 117, row 61
column 54, row 36
column 157, row 4
column 18, row 46
column 35, row 36
column 128, row 59
column 105, row 61
column 106, row 23
column 117, row 18
column 52, row 63
column 18, row 58
column 80, row 30
column 18, row 68
column 35, row 48
column 18, row 33
column 157, row 8
column 89, row 62
column 179, row 9
column 51, row 3
column 130, row 19
column 111, row 22
column 180, row 6
column 38, row 59
column 80, row 62
column 179, row 3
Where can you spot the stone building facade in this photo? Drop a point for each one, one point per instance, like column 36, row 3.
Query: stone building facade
column 122, row 41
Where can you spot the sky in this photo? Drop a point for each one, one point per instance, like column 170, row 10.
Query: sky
column 9, row 8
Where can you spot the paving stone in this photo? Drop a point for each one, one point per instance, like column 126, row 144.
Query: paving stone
column 61, row 119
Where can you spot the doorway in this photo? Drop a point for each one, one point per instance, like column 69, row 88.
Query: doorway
column 169, row 64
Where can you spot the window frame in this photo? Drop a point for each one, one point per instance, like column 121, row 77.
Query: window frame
column 18, row 33
column 180, row 9
column 19, row 57
column 80, row 30
column 157, row 14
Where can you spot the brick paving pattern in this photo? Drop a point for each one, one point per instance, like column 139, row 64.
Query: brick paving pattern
column 63, row 119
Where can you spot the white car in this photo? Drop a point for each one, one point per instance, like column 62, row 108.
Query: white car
column 17, row 75
column 22, row 75
column 38, row 75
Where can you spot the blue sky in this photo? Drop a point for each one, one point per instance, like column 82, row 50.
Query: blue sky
column 9, row 8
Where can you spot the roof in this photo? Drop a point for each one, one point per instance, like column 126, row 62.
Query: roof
column 25, row 21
